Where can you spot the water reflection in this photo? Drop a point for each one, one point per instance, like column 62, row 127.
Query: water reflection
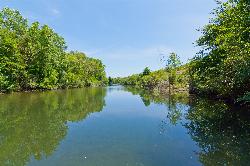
column 221, row 131
column 176, row 103
column 33, row 129
column 33, row 124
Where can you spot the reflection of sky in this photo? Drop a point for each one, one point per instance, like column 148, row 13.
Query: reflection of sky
column 127, row 35
column 124, row 133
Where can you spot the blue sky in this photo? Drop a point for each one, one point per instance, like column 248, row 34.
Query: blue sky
column 127, row 35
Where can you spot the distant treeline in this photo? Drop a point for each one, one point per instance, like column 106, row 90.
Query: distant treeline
column 222, row 67
column 156, row 80
column 34, row 57
column 146, row 79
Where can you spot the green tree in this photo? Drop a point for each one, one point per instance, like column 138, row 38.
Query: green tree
column 146, row 71
column 34, row 57
column 12, row 64
column 173, row 62
column 222, row 66
column 110, row 81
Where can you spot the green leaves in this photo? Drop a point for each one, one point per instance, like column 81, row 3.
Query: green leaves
column 156, row 79
column 80, row 71
column 34, row 57
column 146, row 71
column 222, row 65
column 173, row 61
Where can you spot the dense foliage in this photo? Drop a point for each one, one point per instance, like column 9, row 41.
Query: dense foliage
column 174, row 75
column 146, row 71
column 172, row 63
column 34, row 57
column 222, row 67
column 82, row 71
column 145, row 79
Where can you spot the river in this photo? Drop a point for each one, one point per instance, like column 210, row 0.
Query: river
column 118, row 126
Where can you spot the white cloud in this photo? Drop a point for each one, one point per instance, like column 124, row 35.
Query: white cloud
column 55, row 11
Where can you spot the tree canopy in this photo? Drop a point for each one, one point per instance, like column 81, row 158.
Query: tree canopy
column 33, row 56
column 222, row 66
column 146, row 71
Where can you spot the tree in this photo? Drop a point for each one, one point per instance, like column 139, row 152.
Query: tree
column 146, row 71
column 173, row 62
column 34, row 57
column 222, row 67
column 12, row 66
column 110, row 81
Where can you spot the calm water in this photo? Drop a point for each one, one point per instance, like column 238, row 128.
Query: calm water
column 118, row 126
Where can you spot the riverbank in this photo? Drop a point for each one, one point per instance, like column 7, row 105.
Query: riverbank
column 158, row 82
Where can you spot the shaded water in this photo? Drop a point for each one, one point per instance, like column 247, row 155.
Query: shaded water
column 120, row 126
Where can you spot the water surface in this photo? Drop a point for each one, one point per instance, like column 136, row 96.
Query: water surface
column 120, row 126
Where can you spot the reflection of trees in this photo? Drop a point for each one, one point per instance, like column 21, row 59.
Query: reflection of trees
column 174, row 102
column 33, row 124
column 222, row 133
